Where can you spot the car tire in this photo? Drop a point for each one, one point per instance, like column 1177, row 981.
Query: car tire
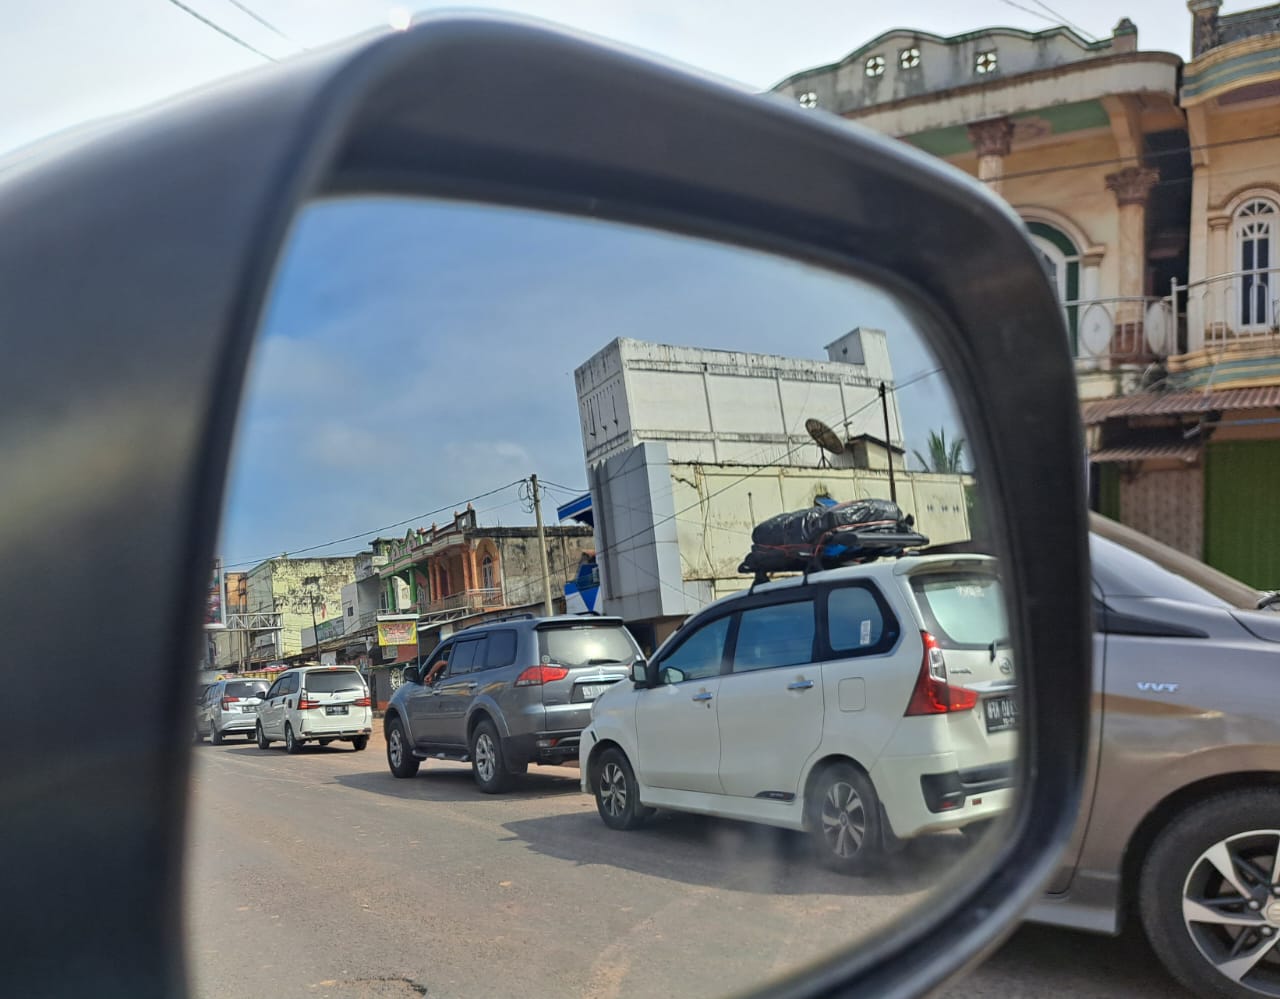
column 261, row 736
column 1243, row 829
column 400, row 758
column 215, row 736
column 292, row 744
column 488, row 763
column 617, row 791
column 360, row 742
column 844, row 819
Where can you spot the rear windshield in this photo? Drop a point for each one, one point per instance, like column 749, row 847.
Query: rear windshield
column 962, row 609
column 336, row 682
column 245, row 688
column 587, row 646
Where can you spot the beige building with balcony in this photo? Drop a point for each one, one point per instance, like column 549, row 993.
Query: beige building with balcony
column 1153, row 191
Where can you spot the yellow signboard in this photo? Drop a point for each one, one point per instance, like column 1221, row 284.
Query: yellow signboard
column 401, row 632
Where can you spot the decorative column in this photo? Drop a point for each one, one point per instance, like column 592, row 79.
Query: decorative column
column 1131, row 186
column 992, row 140
column 1204, row 27
column 1216, row 296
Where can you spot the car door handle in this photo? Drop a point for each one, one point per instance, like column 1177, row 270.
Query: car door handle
column 704, row 696
column 472, row 686
column 800, row 685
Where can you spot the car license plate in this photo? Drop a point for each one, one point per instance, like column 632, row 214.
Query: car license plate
column 335, row 709
column 590, row 691
column 1001, row 713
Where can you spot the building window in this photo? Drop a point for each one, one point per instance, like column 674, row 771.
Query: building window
column 908, row 58
column 1062, row 261
column 808, row 99
column 487, row 574
column 874, row 66
column 1255, row 236
column 985, row 63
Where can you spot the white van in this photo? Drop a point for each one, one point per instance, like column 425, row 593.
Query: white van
column 316, row 704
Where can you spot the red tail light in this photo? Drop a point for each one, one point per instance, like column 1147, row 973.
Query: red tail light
column 933, row 695
column 536, row 676
column 306, row 705
column 362, row 702
column 228, row 700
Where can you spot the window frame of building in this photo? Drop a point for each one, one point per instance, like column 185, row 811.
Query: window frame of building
column 1256, row 211
column 986, row 62
column 909, row 58
column 488, row 573
column 808, row 100
column 1058, row 248
column 874, row 66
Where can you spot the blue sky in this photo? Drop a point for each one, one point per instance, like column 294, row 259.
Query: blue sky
column 416, row 353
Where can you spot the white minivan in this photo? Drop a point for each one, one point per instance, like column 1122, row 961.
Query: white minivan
column 316, row 703
column 864, row 704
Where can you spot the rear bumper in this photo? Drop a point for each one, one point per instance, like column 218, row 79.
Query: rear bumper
column 358, row 722
column 238, row 722
column 946, row 791
column 924, row 794
column 542, row 747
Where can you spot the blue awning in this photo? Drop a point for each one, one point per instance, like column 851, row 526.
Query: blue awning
column 578, row 510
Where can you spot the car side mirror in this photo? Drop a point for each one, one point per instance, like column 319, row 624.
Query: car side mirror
column 640, row 673
column 412, row 675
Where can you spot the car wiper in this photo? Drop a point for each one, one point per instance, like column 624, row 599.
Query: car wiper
column 996, row 645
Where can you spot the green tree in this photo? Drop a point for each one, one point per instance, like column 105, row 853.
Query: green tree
column 944, row 455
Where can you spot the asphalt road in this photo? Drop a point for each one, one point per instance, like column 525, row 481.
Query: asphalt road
column 321, row 876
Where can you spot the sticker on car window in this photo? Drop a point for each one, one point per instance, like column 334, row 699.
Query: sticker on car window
column 864, row 635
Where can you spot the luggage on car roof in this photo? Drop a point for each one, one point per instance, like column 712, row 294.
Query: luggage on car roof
column 823, row 537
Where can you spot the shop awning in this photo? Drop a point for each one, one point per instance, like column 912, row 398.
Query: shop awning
column 578, row 510
column 1147, row 452
column 1178, row 403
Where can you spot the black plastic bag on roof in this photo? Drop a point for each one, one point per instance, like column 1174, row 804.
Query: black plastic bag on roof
column 800, row 527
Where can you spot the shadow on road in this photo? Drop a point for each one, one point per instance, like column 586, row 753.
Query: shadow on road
column 457, row 785
column 741, row 856
column 1044, row 960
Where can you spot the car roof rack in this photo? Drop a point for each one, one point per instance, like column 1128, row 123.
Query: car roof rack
column 522, row 616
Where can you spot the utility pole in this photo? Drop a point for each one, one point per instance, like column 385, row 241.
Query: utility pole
column 888, row 443
column 542, row 546
column 315, row 632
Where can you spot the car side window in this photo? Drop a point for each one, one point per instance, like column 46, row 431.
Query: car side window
column 855, row 622
column 290, row 685
column 699, row 656
column 466, row 657
column 775, row 635
column 500, row 651
column 273, row 691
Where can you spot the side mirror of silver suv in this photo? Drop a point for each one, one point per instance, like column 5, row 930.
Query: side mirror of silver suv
column 640, row 673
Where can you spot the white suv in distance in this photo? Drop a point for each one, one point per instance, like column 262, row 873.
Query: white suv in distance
column 864, row 704
column 316, row 703
column 229, row 706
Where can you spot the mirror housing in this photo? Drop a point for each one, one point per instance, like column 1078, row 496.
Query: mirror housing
column 412, row 675
column 640, row 673
column 591, row 131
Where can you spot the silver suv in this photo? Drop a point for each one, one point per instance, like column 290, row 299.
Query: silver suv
column 506, row 694
column 229, row 706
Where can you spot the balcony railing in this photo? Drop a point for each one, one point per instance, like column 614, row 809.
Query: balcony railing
column 1237, row 307
column 467, row 600
column 1116, row 331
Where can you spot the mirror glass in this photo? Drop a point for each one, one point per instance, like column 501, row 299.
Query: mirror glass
column 747, row 470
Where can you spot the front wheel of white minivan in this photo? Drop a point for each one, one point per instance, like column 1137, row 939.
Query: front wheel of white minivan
column 844, row 819
column 617, row 792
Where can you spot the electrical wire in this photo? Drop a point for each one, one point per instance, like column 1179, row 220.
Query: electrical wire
column 373, row 531
column 221, row 30
column 263, row 21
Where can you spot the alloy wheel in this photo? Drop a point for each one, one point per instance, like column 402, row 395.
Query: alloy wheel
column 395, row 749
column 844, row 819
column 484, row 757
column 613, row 789
column 1231, row 908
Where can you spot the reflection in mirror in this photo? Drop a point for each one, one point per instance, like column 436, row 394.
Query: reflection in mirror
column 520, row 454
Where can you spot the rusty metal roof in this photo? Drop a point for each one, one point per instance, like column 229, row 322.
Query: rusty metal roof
column 1147, row 452
column 1173, row 403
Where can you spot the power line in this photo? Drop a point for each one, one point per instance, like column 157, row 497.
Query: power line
column 221, row 30
column 263, row 21
column 375, row 530
column 1074, row 27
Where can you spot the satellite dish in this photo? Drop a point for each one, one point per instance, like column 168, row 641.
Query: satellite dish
column 1157, row 326
column 1095, row 331
column 825, row 436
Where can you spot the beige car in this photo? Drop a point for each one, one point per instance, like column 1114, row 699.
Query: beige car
column 1180, row 826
